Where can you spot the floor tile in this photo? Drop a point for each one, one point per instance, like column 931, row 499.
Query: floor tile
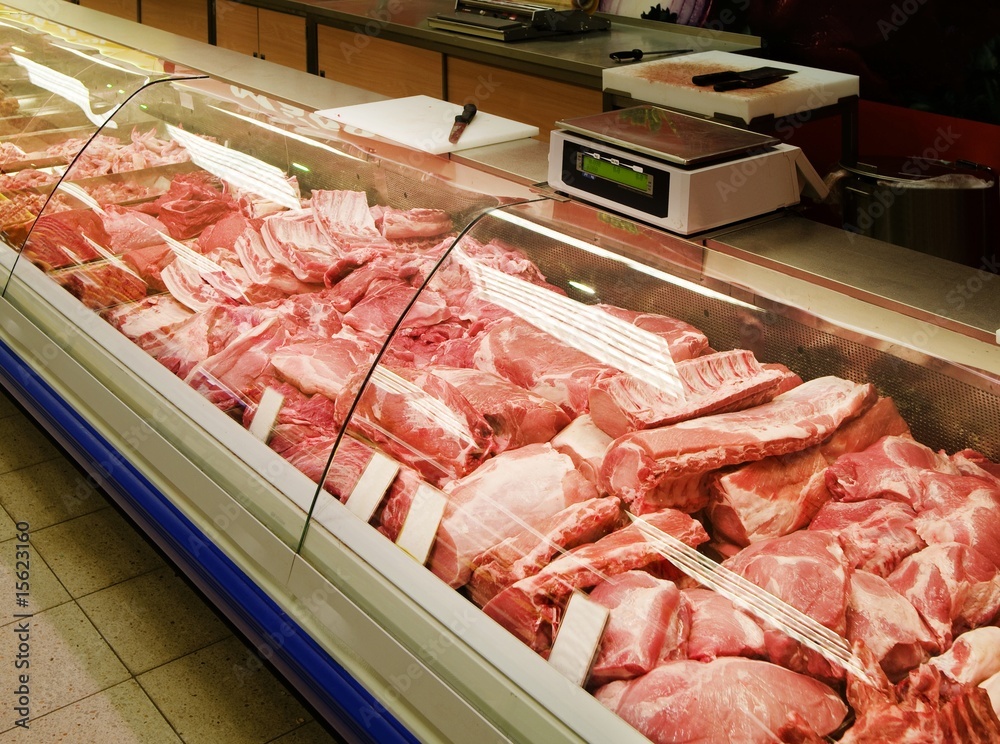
column 153, row 619
column 68, row 660
column 7, row 406
column 23, row 444
column 120, row 715
column 44, row 589
column 7, row 526
column 94, row 551
column 47, row 493
column 310, row 733
column 223, row 695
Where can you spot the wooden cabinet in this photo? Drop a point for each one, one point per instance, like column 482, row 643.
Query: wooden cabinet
column 188, row 18
column 518, row 96
column 268, row 34
column 378, row 65
column 127, row 9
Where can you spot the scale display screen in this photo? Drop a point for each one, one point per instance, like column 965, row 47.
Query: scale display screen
column 615, row 173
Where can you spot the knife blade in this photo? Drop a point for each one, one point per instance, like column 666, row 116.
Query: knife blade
column 755, row 83
column 726, row 76
column 461, row 122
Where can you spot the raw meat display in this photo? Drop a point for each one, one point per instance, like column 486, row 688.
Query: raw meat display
column 377, row 329
column 694, row 701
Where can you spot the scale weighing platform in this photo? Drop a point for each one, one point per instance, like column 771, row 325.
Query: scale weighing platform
column 676, row 171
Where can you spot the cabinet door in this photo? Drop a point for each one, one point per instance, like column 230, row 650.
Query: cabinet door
column 187, row 18
column 517, row 96
column 282, row 38
column 127, row 9
column 378, row 65
column 236, row 26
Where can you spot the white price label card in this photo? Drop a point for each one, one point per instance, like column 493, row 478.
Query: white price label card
column 371, row 486
column 421, row 524
column 579, row 638
column 267, row 413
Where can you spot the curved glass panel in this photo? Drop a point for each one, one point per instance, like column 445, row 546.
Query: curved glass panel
column 217, row 245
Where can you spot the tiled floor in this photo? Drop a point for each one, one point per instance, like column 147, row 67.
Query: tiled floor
column 120, row 648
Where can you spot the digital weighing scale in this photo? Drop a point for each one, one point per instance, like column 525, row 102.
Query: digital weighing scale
column 679, row 172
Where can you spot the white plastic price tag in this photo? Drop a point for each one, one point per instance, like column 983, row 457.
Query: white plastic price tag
column 421, row 524
column 579, row 638
column 372, row 485
column 267, row 413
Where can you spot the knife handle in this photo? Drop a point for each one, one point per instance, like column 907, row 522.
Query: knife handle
column 468, row 111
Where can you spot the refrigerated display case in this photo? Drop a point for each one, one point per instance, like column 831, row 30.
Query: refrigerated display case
column 341, row 382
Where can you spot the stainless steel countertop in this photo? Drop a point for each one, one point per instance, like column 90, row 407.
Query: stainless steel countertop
column 578, row 59
column 947, row 294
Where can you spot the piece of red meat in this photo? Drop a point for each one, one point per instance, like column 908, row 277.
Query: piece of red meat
column 262, row 268
column 806, row 570
column 396, row 507
column 888, row 625
column 713, row 383
column 875, row 534
column 514, row 491
column 224, row 376
column 193, row 202
column 720, row 628
column 300, row 417
column 380, row 310
column 205, row 333
column 148, row 262
column 973, row 658
column 307, row 316
column 969, row 462
column 969, row 514
column 639, row 467
column 225, row 232
column 528, row 552
column 102, row 284
column 418, row 418
column 148, row 320
column 778, row 495
column 532, row 359
column 684, row 340
column 406, row 224
column 532, row 608
column 183, row 278
column 344, row 217
column 128, row 229
column 952, row 586
column 585, row 443
column 65, row 239
column 924, row 707
column 892, row 468
column 648, row 623
column 723, row 701
column 323, row 365
column 517, row 416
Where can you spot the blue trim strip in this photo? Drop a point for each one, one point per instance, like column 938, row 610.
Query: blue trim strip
column 319, row 678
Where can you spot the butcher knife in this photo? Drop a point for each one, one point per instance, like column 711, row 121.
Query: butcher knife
column 461, row 122
column 735, row 77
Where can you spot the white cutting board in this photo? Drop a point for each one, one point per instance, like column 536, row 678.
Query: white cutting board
column 668, row 82
column 424, row 123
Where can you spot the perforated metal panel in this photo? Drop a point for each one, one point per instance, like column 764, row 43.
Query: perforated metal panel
column 945, row 406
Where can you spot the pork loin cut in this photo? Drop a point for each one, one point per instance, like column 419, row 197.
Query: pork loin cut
column 515, row 491
column 585, row 443
column 418, row 418
column 952, row 586
column 224, row 376
column 778, row 495
column 875, row 534
column 648, row 622
column 517, row 416
column 720, row 628
column 636, row 464
column 879, row 617
column 532, row 608
column 806, row 570
column 530, row 551
column 714, row 383
column 720, row 702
